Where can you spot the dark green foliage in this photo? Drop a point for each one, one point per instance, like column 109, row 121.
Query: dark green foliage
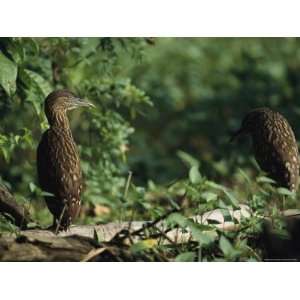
column 201, row 89
column 164, row 111
column 31, row 68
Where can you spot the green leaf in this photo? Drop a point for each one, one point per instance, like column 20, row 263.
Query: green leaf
column 46, row 194
column 232, row 199
column 226, row 247
column 209, row 196
column 143, row 245
column 285, row 192
column 178, row 219
column 228, row 250
column 151, row 185
column 204, row 237
column 229, row 195
column 201, row 233
column 244, row 175
column 17, row 138
column 5, row 154
column 33, row 45
column 8, row 74
column 226, row 214
column 42, row 84
column 187, row 159
column 32, row 187
column 265, row 179
column 194, row 175
column 96, row 237
column 186, row 257
column 17, row 50
column 215, row 185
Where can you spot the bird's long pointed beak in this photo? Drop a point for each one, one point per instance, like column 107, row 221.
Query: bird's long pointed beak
column 82, row 102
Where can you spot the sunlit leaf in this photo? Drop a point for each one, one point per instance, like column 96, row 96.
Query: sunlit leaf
column 32, row 187
column 209, row 196
column 187, row 159
column 194, row 175
column 285, row 192
column 143, row 245
column 177, row 218
column 265, row 179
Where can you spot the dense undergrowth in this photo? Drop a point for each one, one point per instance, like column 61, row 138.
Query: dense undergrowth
column 157, row 144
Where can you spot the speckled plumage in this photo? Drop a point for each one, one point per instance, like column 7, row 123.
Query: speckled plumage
column 274, row 144
column 58, row 162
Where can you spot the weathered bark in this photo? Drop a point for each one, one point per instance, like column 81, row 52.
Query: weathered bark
column 10, row 207
column 44, row 248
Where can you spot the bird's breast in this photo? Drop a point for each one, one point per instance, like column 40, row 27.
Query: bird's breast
column 64, row 152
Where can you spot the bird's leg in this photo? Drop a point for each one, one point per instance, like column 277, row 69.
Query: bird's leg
column 60, row 219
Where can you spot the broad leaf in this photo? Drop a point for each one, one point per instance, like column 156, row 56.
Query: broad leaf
column 209, row 196
column 8, row 74
column 226, row 247
column 178, row 219
column 285, row 192
column 204, row 237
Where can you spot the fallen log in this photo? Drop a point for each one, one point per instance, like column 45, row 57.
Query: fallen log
column 80, row 240
column 85, row 242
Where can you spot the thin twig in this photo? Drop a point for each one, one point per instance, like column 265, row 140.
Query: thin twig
column 153, row 223
column 164, row 234
column 126, row 189
column 125, row 197
column 127, row 184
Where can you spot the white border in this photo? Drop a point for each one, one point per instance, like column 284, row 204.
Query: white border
column 149, row 281
column 150, row 18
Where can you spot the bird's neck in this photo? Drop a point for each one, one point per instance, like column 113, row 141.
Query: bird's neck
column 59, row 119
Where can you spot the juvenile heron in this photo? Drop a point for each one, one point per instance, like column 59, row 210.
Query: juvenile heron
column 274, row 144
column 58, row 162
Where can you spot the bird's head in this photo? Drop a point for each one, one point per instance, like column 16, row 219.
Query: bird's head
column 251, row 122
column 63, row 100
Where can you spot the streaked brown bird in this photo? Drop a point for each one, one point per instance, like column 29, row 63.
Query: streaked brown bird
column 58, row 162
column 274, row 144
